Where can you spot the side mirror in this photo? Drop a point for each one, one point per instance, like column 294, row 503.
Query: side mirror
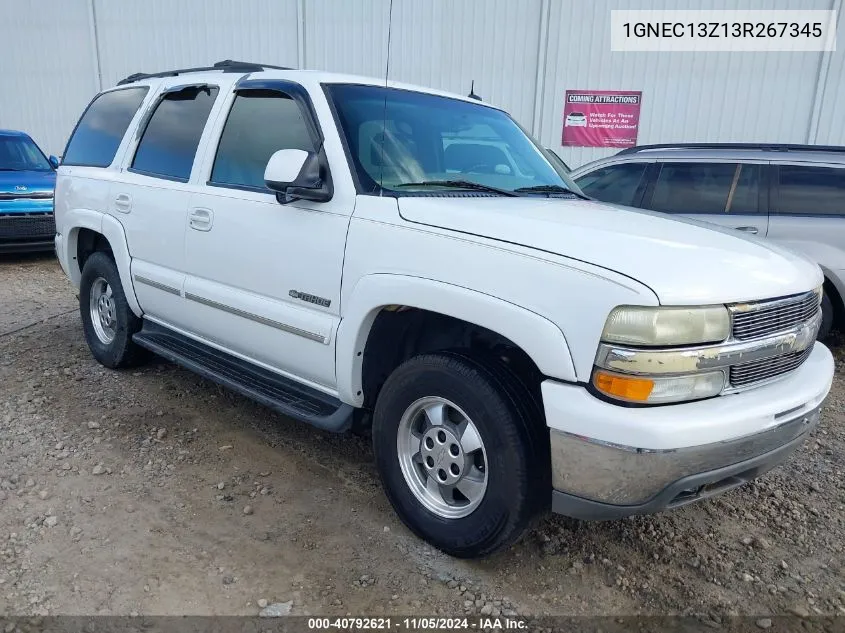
column 296, row 174
column 54, row 161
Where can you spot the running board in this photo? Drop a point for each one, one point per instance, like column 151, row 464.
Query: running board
column 281, row 394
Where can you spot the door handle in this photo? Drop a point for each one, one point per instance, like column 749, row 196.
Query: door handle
column 201, row 219
column 123, row 202
column 748, row 229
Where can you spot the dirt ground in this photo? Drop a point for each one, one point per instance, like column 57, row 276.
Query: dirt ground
column 153, row 491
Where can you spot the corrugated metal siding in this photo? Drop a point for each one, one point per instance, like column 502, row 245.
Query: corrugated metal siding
column 346, row 37
column 831, row 126
column 447, row 45
column 50, row 57
column 703, row 97
column 46, row 82
column 437, row 43
column 153, row 35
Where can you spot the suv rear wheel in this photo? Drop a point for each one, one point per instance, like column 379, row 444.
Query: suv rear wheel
column 107, row 319
column 460, row 449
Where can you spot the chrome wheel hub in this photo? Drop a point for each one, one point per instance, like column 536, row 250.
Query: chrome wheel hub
column 103, row 310
column 442, row 457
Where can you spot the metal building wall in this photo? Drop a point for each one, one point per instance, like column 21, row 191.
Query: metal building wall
column 523, row 56
column 703, row 97
column 827, row 125
column 44, row 85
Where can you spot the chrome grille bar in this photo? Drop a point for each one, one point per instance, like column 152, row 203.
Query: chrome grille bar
column 759, row 320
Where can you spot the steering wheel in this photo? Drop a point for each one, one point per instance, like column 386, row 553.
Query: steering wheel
column 481, row 168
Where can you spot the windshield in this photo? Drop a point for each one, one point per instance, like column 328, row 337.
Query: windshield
column 20, row 153
column 411, row 143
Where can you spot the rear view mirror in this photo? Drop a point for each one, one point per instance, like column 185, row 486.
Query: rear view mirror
column 54, row 162
column 296, row 174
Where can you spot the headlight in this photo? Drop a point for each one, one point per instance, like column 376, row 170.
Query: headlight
column 658, row 389
column 641, row 325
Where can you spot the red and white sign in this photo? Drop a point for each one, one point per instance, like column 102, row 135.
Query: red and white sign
column 601, row 118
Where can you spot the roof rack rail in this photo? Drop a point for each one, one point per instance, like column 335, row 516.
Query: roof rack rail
column 766, row 147
column 227, row 66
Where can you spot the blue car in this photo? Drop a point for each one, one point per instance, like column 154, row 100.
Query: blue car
column 27, row 180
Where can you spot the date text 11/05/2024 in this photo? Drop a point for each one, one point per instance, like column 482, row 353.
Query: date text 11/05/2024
column 417, row 623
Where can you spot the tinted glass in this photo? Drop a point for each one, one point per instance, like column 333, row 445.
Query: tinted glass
column 397, row 138
column 811, row 190
column 173, row 133
column 706, row 188
column 20, row 153
column 260, row 123
column 98, row 134
column 618, row 184
column 746, row 191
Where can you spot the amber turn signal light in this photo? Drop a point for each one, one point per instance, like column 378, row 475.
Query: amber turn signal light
column 630, row 388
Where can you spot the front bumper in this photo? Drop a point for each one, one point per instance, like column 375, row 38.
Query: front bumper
column 27, row 231
column 610, row 461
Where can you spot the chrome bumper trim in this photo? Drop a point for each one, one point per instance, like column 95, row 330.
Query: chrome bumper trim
column 625, row 475
column 685, row 360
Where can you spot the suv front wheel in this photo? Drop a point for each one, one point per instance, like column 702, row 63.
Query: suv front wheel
column 460, row 449
column 107, row 319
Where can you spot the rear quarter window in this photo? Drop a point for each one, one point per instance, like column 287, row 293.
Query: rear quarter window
column 98, row 133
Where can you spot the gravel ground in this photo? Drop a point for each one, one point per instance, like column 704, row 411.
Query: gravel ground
column 155, row 492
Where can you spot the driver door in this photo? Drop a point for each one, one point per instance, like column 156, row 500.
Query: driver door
column 263, row 279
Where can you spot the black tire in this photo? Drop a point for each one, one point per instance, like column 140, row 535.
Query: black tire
column 121, row 351
column 515, row 441
column 827, row 318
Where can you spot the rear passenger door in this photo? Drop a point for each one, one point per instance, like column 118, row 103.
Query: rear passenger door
column 730, row 194
column 808, row 212
column 150, row 197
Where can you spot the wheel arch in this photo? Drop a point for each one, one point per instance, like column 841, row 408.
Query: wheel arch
column 92, row 231
column 834, row 287
column 540, row 340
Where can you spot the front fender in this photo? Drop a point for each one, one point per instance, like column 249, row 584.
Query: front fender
column 538, row 337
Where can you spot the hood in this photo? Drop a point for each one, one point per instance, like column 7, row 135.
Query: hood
column 684, row 262
column 34, row 181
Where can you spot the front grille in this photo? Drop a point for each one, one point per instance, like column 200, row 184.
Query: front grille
column 779, row 316
column 27, row 226
column 760, row 370
column 30, row 195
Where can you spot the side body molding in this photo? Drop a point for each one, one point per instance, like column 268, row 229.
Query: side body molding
column 541, row 339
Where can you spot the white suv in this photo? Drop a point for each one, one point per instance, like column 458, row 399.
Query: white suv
column 297, row 237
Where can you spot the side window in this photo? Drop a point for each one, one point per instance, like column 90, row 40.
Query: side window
column 811, row 190
column 706, row 188
column 97, row 136
column 169, row 142
column 618, row 184
column 260, row 123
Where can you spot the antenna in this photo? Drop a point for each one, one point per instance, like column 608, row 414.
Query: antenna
column 472, row 94
column 384, row 114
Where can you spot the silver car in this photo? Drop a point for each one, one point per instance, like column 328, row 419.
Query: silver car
column 793, row 194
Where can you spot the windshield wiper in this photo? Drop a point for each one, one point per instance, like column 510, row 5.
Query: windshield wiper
column 459, row 184
column 11, row 169
column 551, row 189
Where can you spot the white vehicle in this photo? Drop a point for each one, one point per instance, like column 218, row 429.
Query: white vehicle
column 576, row 119
column 295, row 236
